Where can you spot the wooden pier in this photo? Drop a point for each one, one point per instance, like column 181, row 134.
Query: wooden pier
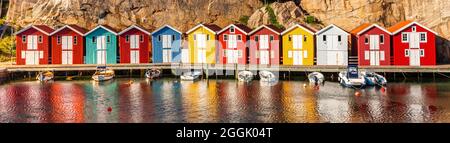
column 281, row 68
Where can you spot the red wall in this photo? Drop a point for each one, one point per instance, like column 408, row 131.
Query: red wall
column 77, row 50
column 274, row 45
column 362, row 47
column 241, row 45
column 429, row 47
column 124, row 47
column 44, row 46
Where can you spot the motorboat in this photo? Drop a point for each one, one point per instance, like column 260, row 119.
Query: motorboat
column 347, row 81
column 267, row 76
column 316, row 78
column 153, row 73
column 374, row 79
column 45, row 76
column 103, row 74
column 190, row 76
column 245, row 76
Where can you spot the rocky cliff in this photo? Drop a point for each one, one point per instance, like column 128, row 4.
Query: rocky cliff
column 183, row 14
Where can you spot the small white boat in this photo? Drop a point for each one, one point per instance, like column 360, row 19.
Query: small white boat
column 373, row 79
column 245, row 76
column 347, row 81
column 153, row 73
column 316, row 78
column 190, row 76
column 267, row 76
column 45, row 76
column 103, row 74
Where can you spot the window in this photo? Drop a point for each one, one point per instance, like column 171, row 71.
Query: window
column 58, row 39
column 24, row 38
column 75, row 40
column 414, row 29
column 289, row 38
column 195, row 37
column 108, row 39
column 423, row 37
column 324, row 37
column 366, row 40
column 225, row 37
column 339, row 38
column 141, row 38
column 405, row 37
column 271, row 38
column 127, row 38
column 239, row 37
column 232, row 29
column 40, row 38
column 256, row 38
column 422, row 53
column 94, row 39
column 381, row 39
column 173, row 37
column 207, row 37
column 406, row 53
column 305, row 38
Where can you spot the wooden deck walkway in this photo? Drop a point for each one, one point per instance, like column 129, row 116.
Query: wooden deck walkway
column 84, row 67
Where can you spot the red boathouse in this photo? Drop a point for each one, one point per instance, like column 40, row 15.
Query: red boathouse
column 233, row 44
column 134, row 45
column 33, row 45
column 372, row 44
column 68, row 45
column 265, row 45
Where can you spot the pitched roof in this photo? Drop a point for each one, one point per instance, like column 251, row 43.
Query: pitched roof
column 137, row 27
column 106, row 27
column 75, row 28
column 211, row 27
column 270, row 27
column 42, row 28
column 366, row 26
column 330, row 26
column 404, row 24
column 168, row 26
column 241, row 27
column 304, row 27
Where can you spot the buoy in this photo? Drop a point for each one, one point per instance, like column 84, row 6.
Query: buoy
column 109, row 109
column 357, row 93
column 383, row 89
column 304, row 85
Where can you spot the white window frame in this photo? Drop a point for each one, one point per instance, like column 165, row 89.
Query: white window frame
column 366, row 40
column 239, row 39
column 422, row 52
column 426, row 37
column 403, row 37
column 225, row 37
column 414, row 29
column 381, row 37
column 406, row 52
column 232, row 29
column 366, row 55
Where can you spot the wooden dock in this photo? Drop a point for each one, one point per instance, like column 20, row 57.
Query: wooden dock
column 282, row 68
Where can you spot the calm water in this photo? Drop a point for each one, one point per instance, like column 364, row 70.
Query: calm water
column 169, row 100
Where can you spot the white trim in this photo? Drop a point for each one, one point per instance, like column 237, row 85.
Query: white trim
column 263, row 26
column 100, row 26
column 407, row 37
column 329, row 27
column 373, row 25
column 412, row 23
column 235, row 27
column 426, row 37
column 134, row 26
column 66, row 26
column 29, row 27
column 168, row 26
column 422, row 51
column 198, row 26
column 299, row 26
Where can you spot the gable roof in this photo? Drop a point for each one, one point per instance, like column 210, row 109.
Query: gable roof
column 329, row 27
column 106, row 27
column 210, row 27
column 168, row 26
column 135, row 27
column 75, row 28
column 243, row 28
column 304, row 27
column 405, row 24
column 42, row 28
column 270, row 27
column 366, row 26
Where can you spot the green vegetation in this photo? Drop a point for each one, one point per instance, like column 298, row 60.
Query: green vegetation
column 7, row 48
column 310, row 20
column 244, row 19
column 272, row 17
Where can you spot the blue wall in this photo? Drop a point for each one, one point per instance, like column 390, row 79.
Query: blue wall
column 157, row 45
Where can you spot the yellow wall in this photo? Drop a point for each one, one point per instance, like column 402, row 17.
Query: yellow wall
column 307, row 46
column 210, row 46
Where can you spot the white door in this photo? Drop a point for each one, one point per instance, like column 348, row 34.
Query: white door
column 101, row 50
column 414, row 57
column 264, row 57
column 232, row 56
column 297, row 57
column 414, row 40
column 332, row 58
column 374, row 58
column 374, row 42
column 232, row 41
column 297, row 41
column 201, row 56
column 134, row 57
column 185, row 56
column 201, row 41
column 32, row 42
column 167, row 55
column 67, row 47
column 32, row 57
column 332, row 42
column 264, row 42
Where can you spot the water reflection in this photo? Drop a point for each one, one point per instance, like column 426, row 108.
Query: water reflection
column 171, row 100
